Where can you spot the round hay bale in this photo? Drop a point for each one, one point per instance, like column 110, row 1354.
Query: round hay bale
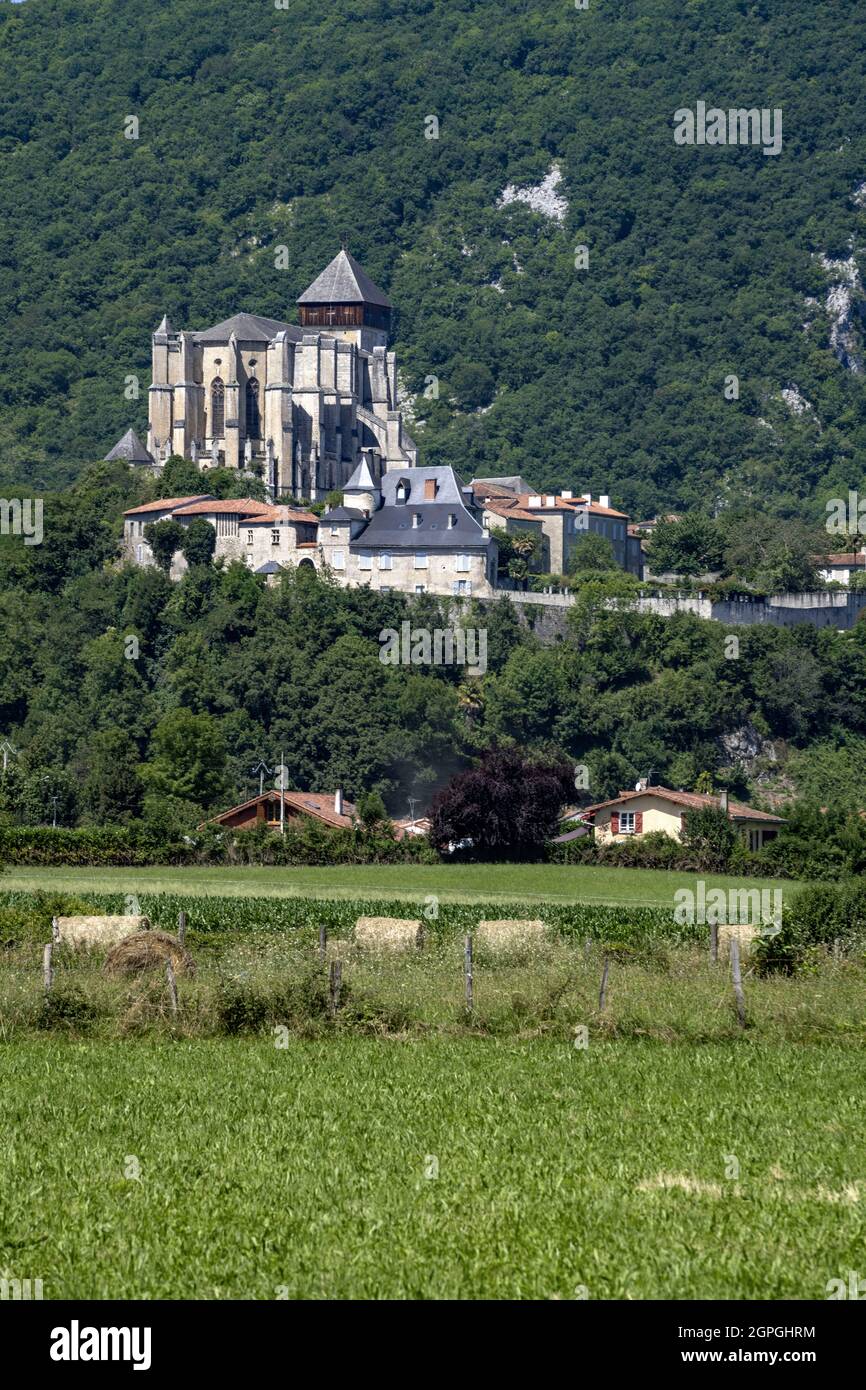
column 388, row 934
column 148, row 950
column 745, row 935
column 96, row 931
column 509, row 936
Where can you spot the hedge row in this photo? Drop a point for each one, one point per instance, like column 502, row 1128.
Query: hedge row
column 138, row 845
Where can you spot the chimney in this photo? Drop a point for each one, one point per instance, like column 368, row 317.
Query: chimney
column 338, row 802
column 550, row 501
column 534, row 500
column 604, row 500
column 586, row 497
column 566, row 494
column 431, row 487
column 723, row 800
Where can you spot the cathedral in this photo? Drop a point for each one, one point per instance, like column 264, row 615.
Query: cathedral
column 299, row 405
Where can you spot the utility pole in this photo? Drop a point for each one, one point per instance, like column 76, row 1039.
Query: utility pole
column 282, row 795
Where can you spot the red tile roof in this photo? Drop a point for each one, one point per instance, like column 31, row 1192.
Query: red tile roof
column 230, row 506
column 850, row 559
column 284, row 514
column 511, row 511
column 319, row 805
column 565, row 504
column 693, row 801
column 165, row 504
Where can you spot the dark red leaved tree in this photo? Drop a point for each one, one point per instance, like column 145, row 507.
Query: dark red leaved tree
column 507, row 807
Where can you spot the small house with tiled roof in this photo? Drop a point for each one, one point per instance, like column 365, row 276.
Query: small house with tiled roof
column 649, row 808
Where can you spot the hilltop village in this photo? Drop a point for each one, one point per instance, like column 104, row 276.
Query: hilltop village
column 313, row 410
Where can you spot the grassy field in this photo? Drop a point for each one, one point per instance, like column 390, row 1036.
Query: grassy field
column 553, row 883
column 303, row 1172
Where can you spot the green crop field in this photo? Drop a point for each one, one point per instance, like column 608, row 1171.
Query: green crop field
column 263, row 1140
column 431, row 1169
column 554, row 883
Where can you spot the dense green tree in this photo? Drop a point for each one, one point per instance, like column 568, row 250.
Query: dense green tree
column 199, row 542
column 111, row 792
column 690, row 545
column 188, row 759
column 592, row 552
column 165, row 539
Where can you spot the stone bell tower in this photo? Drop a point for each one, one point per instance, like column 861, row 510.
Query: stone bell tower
column 344, row 302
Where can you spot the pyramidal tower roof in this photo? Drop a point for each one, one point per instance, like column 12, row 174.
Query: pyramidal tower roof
column 362, row 479
column 129, row 448
column 344, row 282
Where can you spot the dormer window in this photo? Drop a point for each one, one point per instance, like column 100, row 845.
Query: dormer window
column 402, row 494
column 416, row 520
column 452, row 521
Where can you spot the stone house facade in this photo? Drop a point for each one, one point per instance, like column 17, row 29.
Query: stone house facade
column 413, row 530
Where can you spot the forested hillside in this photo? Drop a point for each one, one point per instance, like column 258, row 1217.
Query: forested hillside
column 262, row 126
column 127, row 695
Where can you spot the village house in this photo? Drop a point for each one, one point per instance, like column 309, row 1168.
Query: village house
column 411, row 530
column 560, row 520
column 842, row 567
column 649, row 808
column 312, row 409
column 263, row 536
column 335, row 812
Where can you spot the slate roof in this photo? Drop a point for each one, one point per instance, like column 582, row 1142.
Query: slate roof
column 693, row 801
column 248, row 328
column 390, row 528
column 362, row 479
column 270, row 567
column 344, row 282
column 131, row 449
column 344, row 514
column 449, row 487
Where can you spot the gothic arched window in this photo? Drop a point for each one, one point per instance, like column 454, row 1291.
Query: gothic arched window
column 217, row 408
column 254, row 419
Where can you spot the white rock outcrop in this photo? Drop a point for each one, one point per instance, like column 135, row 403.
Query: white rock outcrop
column 540, row 197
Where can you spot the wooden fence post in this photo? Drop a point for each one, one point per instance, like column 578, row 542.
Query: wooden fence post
column 47, row 967
column 336, row 984
column 323, row 942
column 602, row 994
column 181, row 927
column 467, row 970
column 738, row 981
column 172, row 986
column 714, row 943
